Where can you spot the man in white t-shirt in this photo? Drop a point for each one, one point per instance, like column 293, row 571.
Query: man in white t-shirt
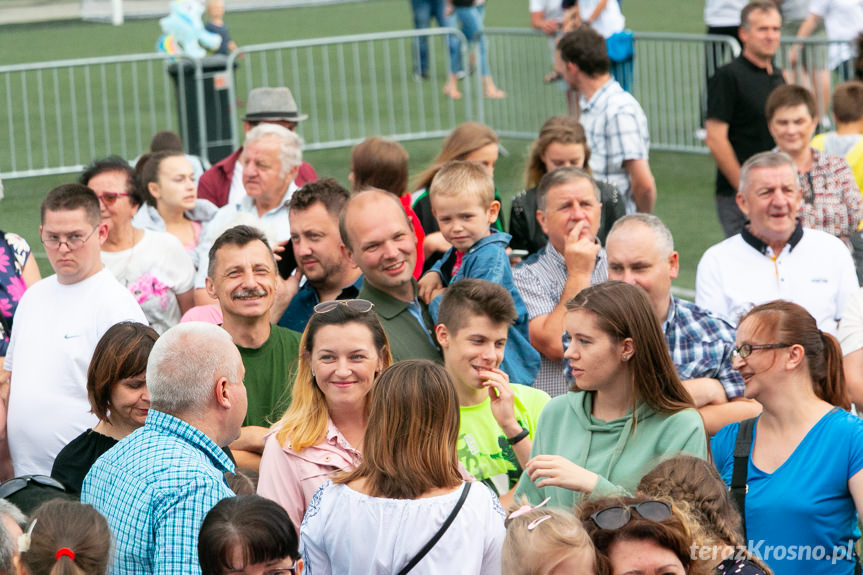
column 57, row 325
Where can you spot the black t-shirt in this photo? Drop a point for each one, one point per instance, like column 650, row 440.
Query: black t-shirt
column 737, row 95
column 75, row 460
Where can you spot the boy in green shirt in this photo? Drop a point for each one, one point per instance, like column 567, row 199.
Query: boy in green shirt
column 498, row 418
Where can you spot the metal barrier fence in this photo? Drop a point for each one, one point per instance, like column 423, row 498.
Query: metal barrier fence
column 669, row 78
column 60, row 115
column 356, row 86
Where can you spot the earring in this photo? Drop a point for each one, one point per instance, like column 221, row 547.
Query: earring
column 625, row 357
column 313, row 374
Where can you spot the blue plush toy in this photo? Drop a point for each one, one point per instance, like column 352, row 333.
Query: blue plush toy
column 184, row 32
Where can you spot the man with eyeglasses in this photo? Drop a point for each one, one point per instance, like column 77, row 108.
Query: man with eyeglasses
column 774, row 256
column 58, row 323
column 242, row 277
column 640, row 251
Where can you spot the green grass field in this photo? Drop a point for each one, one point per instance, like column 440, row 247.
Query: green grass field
column 684, row 181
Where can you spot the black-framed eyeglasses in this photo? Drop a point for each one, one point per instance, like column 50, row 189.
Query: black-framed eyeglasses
column 746, row 349
column 72, row 241
column 357, row 305
column 12, row 486
column 619, row 515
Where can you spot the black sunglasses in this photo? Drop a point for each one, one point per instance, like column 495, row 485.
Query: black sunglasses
column 12, row 486
column 357, row 305
column 619, row 515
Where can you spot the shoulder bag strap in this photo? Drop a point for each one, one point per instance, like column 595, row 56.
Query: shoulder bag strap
column 742, row 446
column 431, row 543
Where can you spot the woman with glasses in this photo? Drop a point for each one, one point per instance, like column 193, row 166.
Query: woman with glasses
column 343, row 350
column 117, row 389
column 152, row 265
column 248, row 535
column 626, row 408
column 639, row 535
column 171, row 203
column 803, row 481
column 406, row 503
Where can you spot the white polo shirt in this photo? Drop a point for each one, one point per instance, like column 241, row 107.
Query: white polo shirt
column 813, row 270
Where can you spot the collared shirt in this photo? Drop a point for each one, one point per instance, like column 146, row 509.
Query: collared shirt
column 275, row 224
column 154, row 488
column 409, row 339
column 700, row 345
column 303, row 304
column 291, row 478
column 813, row 270
column 831, row 198
column 540, row 280
column 616, row 129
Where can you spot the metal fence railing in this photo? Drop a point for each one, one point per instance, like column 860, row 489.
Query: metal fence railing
column 58, row 116
column 356, row 86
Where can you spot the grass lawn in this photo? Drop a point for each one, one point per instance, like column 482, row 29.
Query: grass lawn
column 684, row 181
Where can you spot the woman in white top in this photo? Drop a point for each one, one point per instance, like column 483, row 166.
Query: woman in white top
column 378, row 518
column 171, row 203
column 152, row 265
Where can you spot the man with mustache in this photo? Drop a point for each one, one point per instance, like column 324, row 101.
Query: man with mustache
column 242, row 277
column 774, row 256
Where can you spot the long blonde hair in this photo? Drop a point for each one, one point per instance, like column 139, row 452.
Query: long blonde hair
column 305, row 421
column 466, row 138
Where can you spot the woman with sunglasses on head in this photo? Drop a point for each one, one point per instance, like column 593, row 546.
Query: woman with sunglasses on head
column 561, row 143
column 803, row 481
column 171, row 203
column 152, row 265
column 343, row 350
column 117, row 389
column 640, row 535
column 406, row 503
column 248, row 535
column 626, row 407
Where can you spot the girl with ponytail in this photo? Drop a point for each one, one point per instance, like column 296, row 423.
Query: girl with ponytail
column 804, row 485
column 65, row 538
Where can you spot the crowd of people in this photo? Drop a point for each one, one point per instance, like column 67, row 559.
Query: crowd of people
column 255, row 370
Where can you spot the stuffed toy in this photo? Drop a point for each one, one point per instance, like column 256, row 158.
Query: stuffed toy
column 184, row 33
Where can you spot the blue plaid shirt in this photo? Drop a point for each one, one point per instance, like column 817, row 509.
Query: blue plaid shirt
column 155, row 487
column 700, row 344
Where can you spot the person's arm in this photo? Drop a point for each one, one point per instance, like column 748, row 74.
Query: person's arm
column 705, row 391
column 502, row 402
column 247, row 449
column 434, row 243
column 286, row 289
column 806, row 28
column 538, row 21
column 853, row 364
column 597, row 12
column 643, row 186
column 580, row 255
column 718, row 416
column 558, row 471
column 279, row 481
column 720, row 146
column 186, row 300
column 30, row 272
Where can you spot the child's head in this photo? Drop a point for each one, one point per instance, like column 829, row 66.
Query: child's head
column 547, row 542
column 462, row 201
column 379, row 163
column 69, row 535
column 473, row 322
column 561, row 142
column 215, row 9
column 848, row 102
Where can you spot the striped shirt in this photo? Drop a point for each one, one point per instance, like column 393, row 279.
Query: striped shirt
column 540, row 281
column 155, row 487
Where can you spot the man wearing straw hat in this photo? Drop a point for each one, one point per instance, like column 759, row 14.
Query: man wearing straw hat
column 223, row 182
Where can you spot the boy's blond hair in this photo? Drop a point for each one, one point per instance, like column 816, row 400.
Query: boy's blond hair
column 465, row 179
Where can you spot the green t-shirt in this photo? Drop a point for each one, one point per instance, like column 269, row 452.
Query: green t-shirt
column 482, row 446
column 270, row 375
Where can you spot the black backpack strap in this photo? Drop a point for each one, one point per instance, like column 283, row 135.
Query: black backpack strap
column 738, row 489
column 431, row 543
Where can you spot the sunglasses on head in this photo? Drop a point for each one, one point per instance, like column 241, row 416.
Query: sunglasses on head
column 619, row 515
column 12, row 486
column 110, row 198
column 357, row 305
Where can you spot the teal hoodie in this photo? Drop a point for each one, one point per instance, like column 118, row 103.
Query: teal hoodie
column 609, row 448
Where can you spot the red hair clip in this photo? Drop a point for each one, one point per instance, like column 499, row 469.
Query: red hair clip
column 65, row 551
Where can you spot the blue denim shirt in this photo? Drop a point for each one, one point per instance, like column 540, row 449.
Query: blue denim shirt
column 487, row 260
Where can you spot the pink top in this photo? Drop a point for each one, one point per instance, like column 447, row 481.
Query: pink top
column 291, row 479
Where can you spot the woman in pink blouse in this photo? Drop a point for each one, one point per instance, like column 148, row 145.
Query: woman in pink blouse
column 343, row 350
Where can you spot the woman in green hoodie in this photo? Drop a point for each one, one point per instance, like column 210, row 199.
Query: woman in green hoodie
column 626, row 408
